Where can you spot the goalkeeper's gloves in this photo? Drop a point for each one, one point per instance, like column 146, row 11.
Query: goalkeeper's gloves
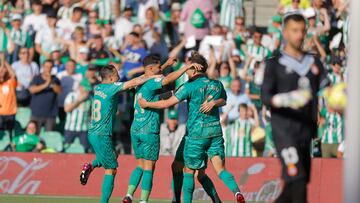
column 294, row 99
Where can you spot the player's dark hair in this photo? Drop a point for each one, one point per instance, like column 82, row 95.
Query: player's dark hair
column 35, row 123
column 107, row 71
column 243, row 105
column 135, row 34
column 297, row 17
column 36, row 2
column 199, row 59
column 254, row 30
column 151, row 59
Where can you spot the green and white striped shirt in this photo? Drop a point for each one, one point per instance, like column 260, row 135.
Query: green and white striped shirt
column 238, row 138
column 230, row 9
column 334, row 129
column 334, row 79
column 21, row 38
column 105, row 9
column 78, row 119
column 259, row 53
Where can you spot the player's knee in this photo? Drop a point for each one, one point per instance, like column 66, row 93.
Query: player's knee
column 200, row 174
column 177, row 167
column 188, row 170
column 111, row 171
column 149, row 165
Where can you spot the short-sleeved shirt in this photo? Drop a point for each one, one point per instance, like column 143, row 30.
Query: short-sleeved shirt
column 44, row 104
column 147, row 121
column 8, row 97
column 134, row 58
column 104, row 106
column 26, row 142
column 25, row 72
column 200, row 125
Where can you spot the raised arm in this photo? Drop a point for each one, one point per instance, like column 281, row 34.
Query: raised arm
column 176, row 74
column 137, row 81
column 171, row 61
column 162, row 104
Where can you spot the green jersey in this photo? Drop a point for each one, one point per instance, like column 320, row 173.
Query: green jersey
column 26, row 142
column 200, row 125
column 147, row 121
column 104, row 106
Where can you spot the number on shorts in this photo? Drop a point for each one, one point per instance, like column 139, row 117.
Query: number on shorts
column 96, row 110
column 290, row 155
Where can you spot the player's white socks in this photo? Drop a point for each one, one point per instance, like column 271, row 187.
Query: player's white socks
column 130, row 196
column 237, row 193
column 143, row 201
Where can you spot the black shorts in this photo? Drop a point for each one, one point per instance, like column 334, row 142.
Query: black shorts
column 295, row 157
column 7, row 122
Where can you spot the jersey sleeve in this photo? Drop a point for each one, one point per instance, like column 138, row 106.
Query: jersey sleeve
column 156, row 83
column 182, row 93
column 115, row 88
column 69, row 99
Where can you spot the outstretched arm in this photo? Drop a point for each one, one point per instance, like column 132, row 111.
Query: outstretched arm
column 162, row 104
column 137, row 81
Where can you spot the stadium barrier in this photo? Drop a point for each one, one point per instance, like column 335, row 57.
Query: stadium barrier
column 58, row 175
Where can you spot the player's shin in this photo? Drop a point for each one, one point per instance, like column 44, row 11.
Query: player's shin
column 188, row 187
column 229, row 181
column 135, row 178
column 107, row 187
column 209, row 188
column 146, row 185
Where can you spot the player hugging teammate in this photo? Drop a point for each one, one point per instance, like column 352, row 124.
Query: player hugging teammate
column 203, row 139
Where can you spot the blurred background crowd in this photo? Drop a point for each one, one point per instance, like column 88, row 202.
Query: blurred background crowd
column 51, row 52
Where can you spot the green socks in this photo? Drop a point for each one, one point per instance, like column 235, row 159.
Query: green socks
column 96, row 164
column 177, row 183
column 209, row 188
column 107, row 187
column 188, row 187
column 146, row 185
column 229, row 181
column 134, row 180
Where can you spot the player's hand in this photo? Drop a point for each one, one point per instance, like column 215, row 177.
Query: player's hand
column 171, row 61
column 83, row 96
column 207, row 106
column 196, row 66
column 142, row 102
column 294, row 99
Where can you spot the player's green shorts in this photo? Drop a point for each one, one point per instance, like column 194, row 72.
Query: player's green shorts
column 146, row 146
column 197, row 151
column 179, row 156
column 104, row 150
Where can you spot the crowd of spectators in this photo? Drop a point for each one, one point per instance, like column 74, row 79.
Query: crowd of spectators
column 51, row 52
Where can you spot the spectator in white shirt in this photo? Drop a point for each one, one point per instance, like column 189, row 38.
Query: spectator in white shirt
column 67, row 26
column 124, row 25
column 35, row 21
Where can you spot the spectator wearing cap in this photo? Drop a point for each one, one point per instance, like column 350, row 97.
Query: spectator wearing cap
column 82, row 62
column 69, row 81
column 77, row 107
column 196, row 15
column 19, row 38
column 134, row 53
column 172, row 27
column 45, row 38
column 44, row 89
column 35, row 21
column 67, row 27
column 124, row 24
column 274, row 31
column 25, row 70
column 312, row 42
column 56, row 56
column 8, row 106
column 171, row 134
